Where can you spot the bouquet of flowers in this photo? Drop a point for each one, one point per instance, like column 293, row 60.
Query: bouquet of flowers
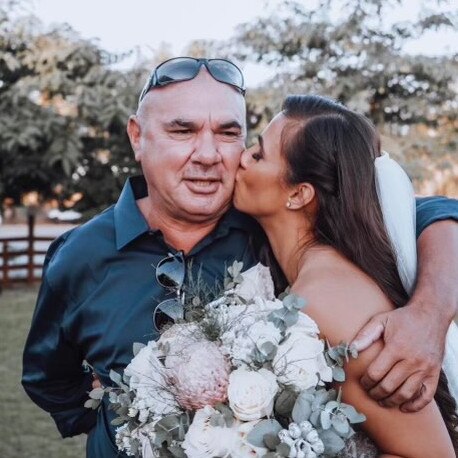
column 242, row 376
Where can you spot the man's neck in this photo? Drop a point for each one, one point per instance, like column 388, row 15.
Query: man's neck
column 181, row 234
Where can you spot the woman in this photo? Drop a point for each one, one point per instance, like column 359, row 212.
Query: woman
column 310, row 183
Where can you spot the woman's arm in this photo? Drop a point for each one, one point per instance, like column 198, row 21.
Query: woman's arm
column 431, row 309
column 341, row 300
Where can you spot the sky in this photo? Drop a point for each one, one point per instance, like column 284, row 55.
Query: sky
column 120, row 26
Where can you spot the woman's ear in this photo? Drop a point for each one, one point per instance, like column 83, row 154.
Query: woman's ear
column 302, row 195
column 134, row 133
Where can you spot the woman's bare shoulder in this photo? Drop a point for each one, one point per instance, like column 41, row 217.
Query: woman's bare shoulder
column 340, row 296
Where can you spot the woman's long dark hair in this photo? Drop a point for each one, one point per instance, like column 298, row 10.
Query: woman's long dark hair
column 333, row 148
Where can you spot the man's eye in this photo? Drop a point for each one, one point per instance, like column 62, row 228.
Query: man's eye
column 230, row 133
column 181, row 131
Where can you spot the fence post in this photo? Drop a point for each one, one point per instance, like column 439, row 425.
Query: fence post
column 5, row 279
column 30, row 246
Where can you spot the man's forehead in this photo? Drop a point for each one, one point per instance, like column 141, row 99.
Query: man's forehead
column 200, row 89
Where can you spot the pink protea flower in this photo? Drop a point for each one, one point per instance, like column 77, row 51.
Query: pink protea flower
column 201, row 376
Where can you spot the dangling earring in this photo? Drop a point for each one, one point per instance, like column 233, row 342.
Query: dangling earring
column 288, row 204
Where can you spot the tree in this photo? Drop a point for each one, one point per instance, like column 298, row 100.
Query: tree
column 63, row 112
column 345, row 49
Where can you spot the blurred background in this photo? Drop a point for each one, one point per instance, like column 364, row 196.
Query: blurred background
column 70, row 75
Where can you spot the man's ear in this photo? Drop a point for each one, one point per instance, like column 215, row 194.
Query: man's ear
column 302, row 195
column 134, row 133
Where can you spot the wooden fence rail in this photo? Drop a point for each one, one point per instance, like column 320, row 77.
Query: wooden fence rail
column 9, row 254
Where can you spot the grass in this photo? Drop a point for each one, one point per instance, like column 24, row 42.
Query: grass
column 26, row 430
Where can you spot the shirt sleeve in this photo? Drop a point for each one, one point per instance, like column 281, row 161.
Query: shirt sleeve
column 433, row 209
column 53, row 375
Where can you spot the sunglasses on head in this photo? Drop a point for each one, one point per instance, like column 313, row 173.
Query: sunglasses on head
column 186, row 68
column 170, row 274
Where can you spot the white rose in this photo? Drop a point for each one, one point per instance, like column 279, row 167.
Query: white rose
column 298, row 361
column 257, row 282
column 203, row 440
column 145, row 369
column 251, row 394
column 149, row 379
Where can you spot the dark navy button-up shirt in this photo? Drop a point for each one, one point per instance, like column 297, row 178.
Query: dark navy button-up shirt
column 98, row 294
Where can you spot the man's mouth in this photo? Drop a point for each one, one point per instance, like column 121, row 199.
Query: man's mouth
column 203, row 185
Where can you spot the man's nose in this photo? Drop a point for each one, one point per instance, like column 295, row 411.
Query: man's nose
column 206, row 150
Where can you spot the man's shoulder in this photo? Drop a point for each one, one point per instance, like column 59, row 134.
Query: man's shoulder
column 82, row 245
column 98, row 230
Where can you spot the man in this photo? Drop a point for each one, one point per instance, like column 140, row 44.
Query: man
column 99, row 288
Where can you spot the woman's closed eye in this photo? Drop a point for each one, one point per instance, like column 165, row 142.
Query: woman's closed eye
column 257, row 156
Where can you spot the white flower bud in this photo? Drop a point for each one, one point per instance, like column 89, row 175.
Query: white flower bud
column 302, row 446
column 312, row 436
column 132, row 412
column 306, row 427
column 292, row 453
column 318, row 447
column 311, row 455
column 300, row 454
column 285, row 437
column 294, row 430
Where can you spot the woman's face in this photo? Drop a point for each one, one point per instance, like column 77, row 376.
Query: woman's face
column 260, row 189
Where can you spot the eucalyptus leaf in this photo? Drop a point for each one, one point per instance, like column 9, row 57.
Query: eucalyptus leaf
column 302, row 409
column 338, row 374
column 351, row 413
column 113, row 397
column 293, row 302
column 177, row 451
column 283, row 449
column 331, row 405
column 136, row 347
column 97, row 393
column 256, row 435
column 115, row 377
column 314, row 418
column 291, row 318
column 159, row 437
column 340, row 424
column 271, row 441
column 322, row 397
column 285, row 402
column 333, row 443
column 92, row 403
column 285, row 293
column 268, row 349
column 325, row 418
column 119, row 421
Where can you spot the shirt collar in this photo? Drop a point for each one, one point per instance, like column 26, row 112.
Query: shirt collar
column 130, row 223
column 128, row 220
